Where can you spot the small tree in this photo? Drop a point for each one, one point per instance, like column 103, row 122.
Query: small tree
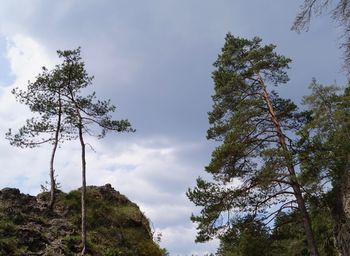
column 254, row 168
column 85, row 114
column 63, row 113
column 44, row 98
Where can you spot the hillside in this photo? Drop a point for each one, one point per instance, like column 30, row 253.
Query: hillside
column 116, row 226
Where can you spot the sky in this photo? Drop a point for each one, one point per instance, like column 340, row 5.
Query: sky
column 153, row 59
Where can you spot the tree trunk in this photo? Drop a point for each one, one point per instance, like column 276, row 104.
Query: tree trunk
column 292, row 175
column 52, row 178
column 83, row 189
column 80, row 127
column 52, row 170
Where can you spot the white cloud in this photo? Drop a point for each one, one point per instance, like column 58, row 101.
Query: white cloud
column 152, row 172
column 23, row 168
column 155, row 176
column 181, row 238
column 144, row 171
column 128, row 167
column 26, row 57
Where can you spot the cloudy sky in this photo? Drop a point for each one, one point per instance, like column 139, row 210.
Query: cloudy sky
column 153, row 59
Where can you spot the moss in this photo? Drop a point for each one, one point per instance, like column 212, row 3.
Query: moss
column 72, row 243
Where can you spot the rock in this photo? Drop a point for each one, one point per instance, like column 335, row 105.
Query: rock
column 115, row 225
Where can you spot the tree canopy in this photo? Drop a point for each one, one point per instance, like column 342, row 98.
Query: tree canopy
column 253, row 168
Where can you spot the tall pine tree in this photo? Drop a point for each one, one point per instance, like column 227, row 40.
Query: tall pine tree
column 253, row 168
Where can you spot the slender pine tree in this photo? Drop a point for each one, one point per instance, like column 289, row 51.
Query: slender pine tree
column 44, row 99
column 86, row 114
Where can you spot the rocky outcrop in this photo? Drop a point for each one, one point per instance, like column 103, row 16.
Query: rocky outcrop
column 115, row 225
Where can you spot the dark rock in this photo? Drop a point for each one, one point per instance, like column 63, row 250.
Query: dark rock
column 7, row 193
column 115, row 225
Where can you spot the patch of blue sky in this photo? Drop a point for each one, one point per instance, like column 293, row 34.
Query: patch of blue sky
column 124, row 167
column 21, row 181
column 6, row 77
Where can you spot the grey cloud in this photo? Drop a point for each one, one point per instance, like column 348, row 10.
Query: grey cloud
column 154, row 60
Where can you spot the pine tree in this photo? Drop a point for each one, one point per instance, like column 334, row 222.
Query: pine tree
column 86, row 114
column 253, row 168
column 44, row 99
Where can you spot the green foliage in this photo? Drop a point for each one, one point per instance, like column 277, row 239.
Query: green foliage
column 285, row 238
column 249, row 168
column 288, row 236
column 83, row 110
column 325, row 154
column 44, row 99
column 248, row 237
column 325, row 150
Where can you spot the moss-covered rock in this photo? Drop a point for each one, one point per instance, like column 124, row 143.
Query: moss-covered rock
column 115, row 225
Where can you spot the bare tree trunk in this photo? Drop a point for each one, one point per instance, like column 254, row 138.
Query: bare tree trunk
column 83, row 188
column 52, row 170
column 52, row 177
column 83, row 173
column 292, row 175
